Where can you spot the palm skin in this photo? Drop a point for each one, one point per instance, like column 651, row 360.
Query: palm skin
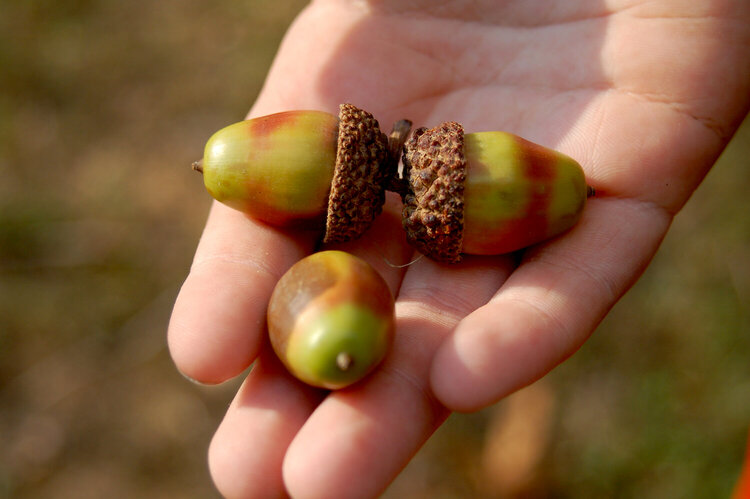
column 644, row 95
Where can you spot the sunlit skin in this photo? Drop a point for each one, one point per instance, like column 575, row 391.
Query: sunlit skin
column 644, row 95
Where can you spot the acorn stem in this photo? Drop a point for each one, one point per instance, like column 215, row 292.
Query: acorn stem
column 344, row 361
column 397, row 138
column 198, row 166
column 395, row 181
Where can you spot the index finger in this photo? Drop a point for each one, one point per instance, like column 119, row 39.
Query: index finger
column 218, row 318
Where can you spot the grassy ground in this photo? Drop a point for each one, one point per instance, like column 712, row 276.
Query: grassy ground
column 102, row 106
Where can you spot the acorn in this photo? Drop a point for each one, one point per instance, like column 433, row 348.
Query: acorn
column 485, row 193
column 302, row 169
column 331, row 319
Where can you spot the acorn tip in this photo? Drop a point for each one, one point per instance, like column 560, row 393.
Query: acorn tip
column 344, row 361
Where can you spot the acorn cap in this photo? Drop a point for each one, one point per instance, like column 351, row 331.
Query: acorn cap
column 433, row 212
column 358, row 187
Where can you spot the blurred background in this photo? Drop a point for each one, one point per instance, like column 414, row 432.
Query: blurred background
column 104, row 104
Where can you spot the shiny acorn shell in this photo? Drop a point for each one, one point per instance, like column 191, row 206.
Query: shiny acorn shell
column 276, row 168
column 517, row 193
column 331, row 319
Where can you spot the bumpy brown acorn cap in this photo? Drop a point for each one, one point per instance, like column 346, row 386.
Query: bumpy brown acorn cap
column 357, row 190
column 433, row 213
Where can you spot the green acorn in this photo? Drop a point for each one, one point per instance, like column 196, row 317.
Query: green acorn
column 301, row 168
column 331, row 319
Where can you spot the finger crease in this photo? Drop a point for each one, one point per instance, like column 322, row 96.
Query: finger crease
column 254, row 265
column 435, row 303
column 549, row 321
column 402, row 377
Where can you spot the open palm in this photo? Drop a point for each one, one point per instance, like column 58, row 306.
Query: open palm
column 644, row 95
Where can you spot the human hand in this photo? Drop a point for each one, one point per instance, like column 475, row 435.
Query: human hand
column 644, row 95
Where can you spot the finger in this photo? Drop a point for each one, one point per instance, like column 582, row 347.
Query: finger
column 383, row 245
column 372, row 430
column 247, row 451
column 219, row 315
column 248, row 448
column 549, row 306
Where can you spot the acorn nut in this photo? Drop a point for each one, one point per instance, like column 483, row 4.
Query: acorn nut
column 301, row 168
column 331, row 319
column 485, row 193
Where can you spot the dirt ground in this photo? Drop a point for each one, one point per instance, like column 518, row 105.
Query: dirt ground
column 103, row 106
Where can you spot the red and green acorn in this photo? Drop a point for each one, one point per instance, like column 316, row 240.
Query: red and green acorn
column 331, row 319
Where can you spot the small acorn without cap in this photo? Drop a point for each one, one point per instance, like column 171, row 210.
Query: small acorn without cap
column 302, row 168
column 331, row 319
column 485, row 193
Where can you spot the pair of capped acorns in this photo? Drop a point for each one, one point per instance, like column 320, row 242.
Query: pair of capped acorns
column 483, row 193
